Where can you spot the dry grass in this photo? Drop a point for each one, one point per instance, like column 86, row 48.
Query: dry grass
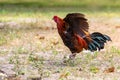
column 31, row 49
column 36, row 51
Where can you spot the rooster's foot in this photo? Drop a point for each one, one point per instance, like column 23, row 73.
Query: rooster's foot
column 69, row 58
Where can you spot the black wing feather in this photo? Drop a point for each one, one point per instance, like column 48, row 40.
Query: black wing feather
column 77, row 23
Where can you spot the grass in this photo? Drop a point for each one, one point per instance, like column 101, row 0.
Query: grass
column 41, row 52
column 29, row 39
column 115, row 50
column 61, row 3
column 15, row 10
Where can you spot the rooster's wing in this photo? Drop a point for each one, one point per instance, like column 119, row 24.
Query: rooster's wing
column 77, row 24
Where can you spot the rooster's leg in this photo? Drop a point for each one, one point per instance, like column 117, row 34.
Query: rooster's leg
column 69, row 58
column 72, row 56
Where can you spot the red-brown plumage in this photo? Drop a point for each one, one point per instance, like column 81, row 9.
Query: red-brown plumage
column 59, row 22
column 73, row 30
column 81, row 41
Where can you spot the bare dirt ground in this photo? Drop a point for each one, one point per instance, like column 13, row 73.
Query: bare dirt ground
column 34, row 51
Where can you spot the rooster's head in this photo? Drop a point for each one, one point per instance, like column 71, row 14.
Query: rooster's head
column 60, row 23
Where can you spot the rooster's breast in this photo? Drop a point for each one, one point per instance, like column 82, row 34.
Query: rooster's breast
column 71, row 42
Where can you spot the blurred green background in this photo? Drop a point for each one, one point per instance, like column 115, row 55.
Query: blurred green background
column 13, row 9
column 64, row 3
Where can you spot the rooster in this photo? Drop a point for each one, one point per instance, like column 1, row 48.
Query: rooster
column 73, row 30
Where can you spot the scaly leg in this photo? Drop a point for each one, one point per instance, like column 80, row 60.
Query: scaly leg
column 69, row 58
column 72, row 56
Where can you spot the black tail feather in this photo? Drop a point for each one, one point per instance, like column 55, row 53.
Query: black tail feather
column 98, row 41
